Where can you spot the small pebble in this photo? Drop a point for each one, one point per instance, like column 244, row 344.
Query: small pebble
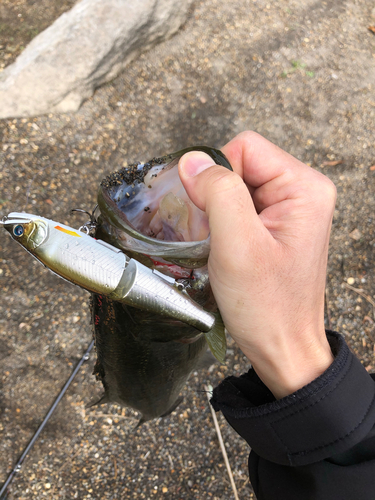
column 356, row 235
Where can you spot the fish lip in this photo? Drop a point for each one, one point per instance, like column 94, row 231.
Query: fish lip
column 145, row 244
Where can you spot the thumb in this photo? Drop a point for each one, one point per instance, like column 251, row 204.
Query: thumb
column 225, row 198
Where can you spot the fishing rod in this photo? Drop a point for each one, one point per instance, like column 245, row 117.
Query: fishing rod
column 17, row 468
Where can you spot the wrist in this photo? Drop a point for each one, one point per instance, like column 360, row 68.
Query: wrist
column 288, row 368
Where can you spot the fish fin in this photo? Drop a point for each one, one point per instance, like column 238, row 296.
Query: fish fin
column 173, row 407
column 207, row 360
column 216, row 339
column 142, row 420
column 102, row 399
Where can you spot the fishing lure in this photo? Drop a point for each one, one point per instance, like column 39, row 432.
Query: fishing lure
column 101, row 268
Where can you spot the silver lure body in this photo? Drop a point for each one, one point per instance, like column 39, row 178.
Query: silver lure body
column 103, row 269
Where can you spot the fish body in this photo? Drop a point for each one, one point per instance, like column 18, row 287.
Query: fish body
column 144, row 360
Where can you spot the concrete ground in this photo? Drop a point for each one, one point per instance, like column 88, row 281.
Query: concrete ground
column 300, row 73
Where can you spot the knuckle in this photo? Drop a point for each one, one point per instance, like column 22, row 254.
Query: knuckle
column 248, row 135
column 326, row 191
column 331, row 190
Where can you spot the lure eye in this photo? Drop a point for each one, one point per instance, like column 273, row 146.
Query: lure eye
column 18, row 230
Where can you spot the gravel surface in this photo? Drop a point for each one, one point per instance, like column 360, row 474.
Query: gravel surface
column 300, row 73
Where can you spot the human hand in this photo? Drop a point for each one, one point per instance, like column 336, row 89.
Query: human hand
column 270, row 222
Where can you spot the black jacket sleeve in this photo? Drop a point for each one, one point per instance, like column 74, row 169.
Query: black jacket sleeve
column 315, row 444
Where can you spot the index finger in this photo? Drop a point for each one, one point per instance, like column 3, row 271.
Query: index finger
column 258, row 160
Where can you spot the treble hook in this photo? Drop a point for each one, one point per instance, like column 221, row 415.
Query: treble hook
column 91, row 224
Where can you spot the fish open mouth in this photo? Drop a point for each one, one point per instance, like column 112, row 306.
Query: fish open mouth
column 154, row 202
column 151, row 213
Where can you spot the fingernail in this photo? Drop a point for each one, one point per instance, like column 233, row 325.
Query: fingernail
column 195, row 162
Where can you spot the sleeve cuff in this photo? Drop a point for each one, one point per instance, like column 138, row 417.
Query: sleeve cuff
column 328, row 416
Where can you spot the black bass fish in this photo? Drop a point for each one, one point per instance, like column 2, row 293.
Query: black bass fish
column 153, row 309
column 143, row 358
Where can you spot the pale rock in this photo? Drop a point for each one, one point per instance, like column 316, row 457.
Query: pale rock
column 356, row 234
column 84, row 48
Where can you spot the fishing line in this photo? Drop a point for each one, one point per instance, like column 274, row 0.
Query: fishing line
column 17, row 468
